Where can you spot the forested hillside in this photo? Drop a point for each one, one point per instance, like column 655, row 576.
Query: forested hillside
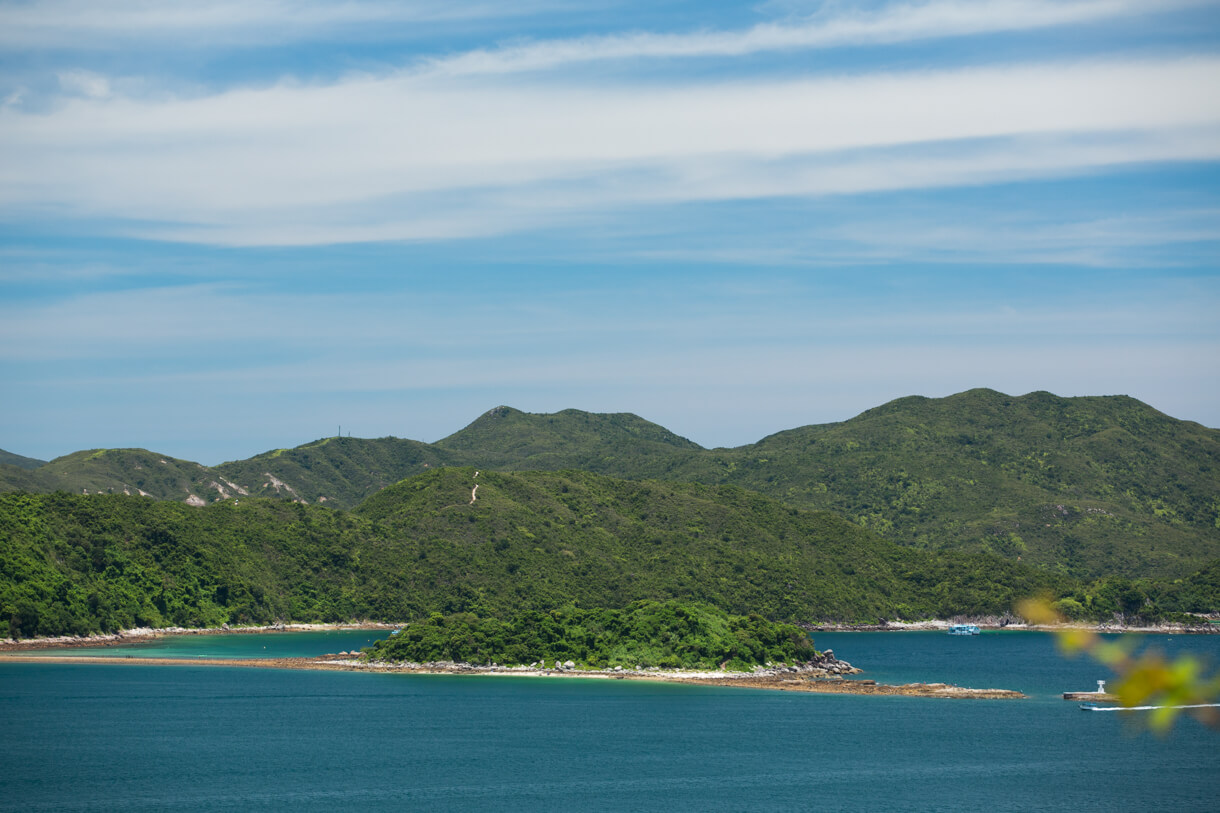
column 1087, row 487
column 76, row 563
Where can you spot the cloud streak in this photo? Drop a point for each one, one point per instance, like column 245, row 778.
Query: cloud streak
column 80, row 24
column 402, row 157
column 553, row 182
column 831, row 27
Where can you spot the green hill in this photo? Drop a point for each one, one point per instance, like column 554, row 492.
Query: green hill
column 619, row 444
column 10, row 459
column 339, row 471
column 1089, row 487
column 336, row 471
column 129, row 471
column 530, row 541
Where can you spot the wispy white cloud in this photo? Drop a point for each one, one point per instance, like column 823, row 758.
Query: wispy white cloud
column 408, row 158
column 85, row 25
column 1126, row 241
column 593, row 134
column 833, row 25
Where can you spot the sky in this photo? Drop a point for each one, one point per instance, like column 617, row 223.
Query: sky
column 229, row 226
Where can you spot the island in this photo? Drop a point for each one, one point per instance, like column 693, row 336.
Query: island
column 675, row 641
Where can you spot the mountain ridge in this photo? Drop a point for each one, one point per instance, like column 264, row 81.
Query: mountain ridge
column 1087, row 485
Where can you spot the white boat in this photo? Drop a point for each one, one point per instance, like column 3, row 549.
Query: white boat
column 963, row 629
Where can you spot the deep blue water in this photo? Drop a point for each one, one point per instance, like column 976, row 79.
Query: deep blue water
column 103, row 737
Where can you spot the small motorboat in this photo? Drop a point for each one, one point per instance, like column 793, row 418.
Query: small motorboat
column 963, row 629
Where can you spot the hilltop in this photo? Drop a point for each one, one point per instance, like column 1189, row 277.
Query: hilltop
column 619, row 444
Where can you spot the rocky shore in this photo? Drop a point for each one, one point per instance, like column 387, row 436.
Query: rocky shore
column 147, row 633
column 824, row 666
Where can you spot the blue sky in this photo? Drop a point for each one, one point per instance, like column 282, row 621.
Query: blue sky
column 232, row 226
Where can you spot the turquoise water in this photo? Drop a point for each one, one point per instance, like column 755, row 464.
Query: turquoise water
column 103, row 737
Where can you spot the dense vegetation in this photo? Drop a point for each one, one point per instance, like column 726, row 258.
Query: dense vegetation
column 1105, row 503
column 1087, row 487
column 531, row 541
column 667, row 634
column 72, row 564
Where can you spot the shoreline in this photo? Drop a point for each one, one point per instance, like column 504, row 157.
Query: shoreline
column 773, row 681
column 935, row 625
column 940, row 625
column 150, row 633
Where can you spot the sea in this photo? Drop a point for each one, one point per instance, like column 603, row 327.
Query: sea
column 107, row 736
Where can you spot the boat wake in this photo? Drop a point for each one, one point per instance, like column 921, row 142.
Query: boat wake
column 1093, row 707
